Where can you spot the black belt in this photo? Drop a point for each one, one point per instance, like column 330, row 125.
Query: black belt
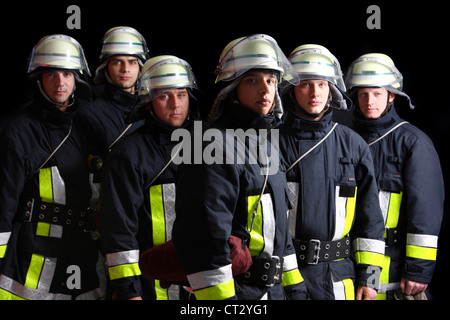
column 265, row 272
column 53, row 213
column 315, row 251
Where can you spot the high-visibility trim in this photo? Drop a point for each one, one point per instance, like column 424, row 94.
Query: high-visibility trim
column 43, row 229
column 157, row 209
column 51, row 186
column 290, row 262
column 262, row 234
column 421, row 246
column 343, row 289
column 34, row 271
column 390, row 203
column 291, row 277
column 162, row 205
column 123, row 264
column 13, row 290
column 4, row 239
column 369, row 251
column 123, row 271
column 218, row 292
column 294, row 189
column 344, row 213
column 161, row 293
column 349, row 289
column 256, row 244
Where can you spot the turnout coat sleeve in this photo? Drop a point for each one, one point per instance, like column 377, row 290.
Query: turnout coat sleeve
column 424, row 188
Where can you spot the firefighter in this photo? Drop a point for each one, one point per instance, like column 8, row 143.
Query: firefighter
column 138, row 184
column 49, row 248
column 123, row 54
column 224, row 197
column 331, row 183
column 408, row 173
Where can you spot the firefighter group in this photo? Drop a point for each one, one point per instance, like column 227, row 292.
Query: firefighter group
column 94, row 205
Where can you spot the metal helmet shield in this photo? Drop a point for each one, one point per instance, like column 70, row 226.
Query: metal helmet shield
column 165, row 73
column 257, row 51
column 312, row 61
column 60, row 52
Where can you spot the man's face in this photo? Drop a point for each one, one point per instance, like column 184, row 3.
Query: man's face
column 124, row 71
column 58, row 85
column 172, row 106
column 257, row 91
column 312, row 95
column 374, row 101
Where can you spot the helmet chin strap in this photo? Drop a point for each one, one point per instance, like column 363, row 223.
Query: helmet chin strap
column 45, row 95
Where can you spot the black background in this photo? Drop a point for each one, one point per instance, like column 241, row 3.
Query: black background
column 413, row 34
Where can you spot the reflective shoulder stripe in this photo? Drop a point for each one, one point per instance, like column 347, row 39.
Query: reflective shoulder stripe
column 369, row 251
column 4, row 238
column 421, row 246
column 213, row 284
column 123, row 264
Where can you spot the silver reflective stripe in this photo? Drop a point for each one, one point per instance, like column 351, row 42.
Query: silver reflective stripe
column 210, row 278
column 385, row 199
column 370, row 245
column 294, row 188
column 4, row 238
column 20, row 290
column 123, row 257
column 340, row 213
column 268, row 225
column 338, row 288
column 59, row 190
column 290, row 262
column 169, row 207
column 46, row 277
column 422, row 240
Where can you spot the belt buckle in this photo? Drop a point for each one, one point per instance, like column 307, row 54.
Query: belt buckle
column 277, row 273
column 316, row 251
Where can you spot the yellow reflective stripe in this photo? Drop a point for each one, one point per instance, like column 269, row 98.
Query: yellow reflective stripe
column 123, row 271
column 350, row 213
column 256, row 235
column 421, row 252
column 161, row 293
column 34, row 271
column 45, row 185
column 221, row 291
column 394, row 210
column 158, row 220
column 291, row 277
column 43, row 229
column 371, row 258
column 5, row 295
column 3, row 251
column 349, row 289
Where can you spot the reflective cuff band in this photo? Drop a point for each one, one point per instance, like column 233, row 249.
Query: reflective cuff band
column 291, row 277
column 421, row 246
column 123, row 271
column 219, row 292
column 369, row 251
column 4, row 238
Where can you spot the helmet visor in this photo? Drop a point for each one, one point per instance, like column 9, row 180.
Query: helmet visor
column 373, row 72
column 168, row 74
column 58, row 51
column 316, row 63
column 258, row 51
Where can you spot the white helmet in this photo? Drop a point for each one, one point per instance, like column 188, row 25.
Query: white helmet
column 165, row 72
column 58, row 51
column 257, row 51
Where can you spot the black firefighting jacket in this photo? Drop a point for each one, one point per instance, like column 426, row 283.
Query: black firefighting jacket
column 137, row 213
column 47, row 242
column 218, row 199
column 411, row 188
column 334, row 195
